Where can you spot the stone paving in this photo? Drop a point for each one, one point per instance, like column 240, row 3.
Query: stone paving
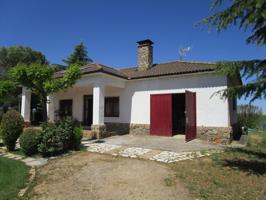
column 132, row 152
column 100, row 147
column 29, row 161
column 169, row 157
column 137, row 152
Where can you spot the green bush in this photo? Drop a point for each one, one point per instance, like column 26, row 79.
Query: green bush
column 70, row 134
column 66, row 131
column 77, row 136
column 11, row 128
column 250, row 116
column 50, row 143
column 60, row 137
column 29, row 141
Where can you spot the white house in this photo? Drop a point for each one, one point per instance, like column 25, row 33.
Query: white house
column 158, row 99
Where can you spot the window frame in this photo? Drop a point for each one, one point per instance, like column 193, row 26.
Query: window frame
column 114, row 103
column 60, row 108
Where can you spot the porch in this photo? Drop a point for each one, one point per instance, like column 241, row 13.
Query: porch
column 92, row 101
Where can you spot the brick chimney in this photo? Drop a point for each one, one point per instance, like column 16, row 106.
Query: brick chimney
column 145, row 54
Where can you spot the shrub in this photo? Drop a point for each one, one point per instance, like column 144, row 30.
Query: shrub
column 250, row 116
column 60, row 137
column 29, row 141
column 11, row 128
column 66, row 131
column 70, row 133
column 77, row 136
column 50, row 142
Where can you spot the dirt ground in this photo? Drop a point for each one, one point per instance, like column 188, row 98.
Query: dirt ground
column 93, row 176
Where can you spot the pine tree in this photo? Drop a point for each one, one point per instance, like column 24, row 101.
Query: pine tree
column 79, row 56
column 248, row 15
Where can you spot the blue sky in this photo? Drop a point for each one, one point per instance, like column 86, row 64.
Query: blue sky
column 110, row 29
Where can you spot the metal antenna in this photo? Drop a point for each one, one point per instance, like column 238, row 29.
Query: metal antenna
column 183, row 51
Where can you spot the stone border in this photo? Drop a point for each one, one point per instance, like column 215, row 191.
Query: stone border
column 23, row 191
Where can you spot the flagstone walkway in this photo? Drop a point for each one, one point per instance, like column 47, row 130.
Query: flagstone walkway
column 29, row 161
column 149, row 154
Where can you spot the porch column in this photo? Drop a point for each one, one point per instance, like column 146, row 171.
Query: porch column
column 26, row 105
column 50, row 108
column 98, row 127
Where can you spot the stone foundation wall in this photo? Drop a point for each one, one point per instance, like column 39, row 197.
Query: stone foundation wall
column 125, row 128
column 220, row 135
column 117, row 128
column 99, row 131
column 139, row 129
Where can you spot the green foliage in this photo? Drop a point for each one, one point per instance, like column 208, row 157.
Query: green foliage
column 79, row 56
column 70, row 133
column 29, row 141
column 254, row 72
column 250, row 116
column 11, row 128
column 50, row 142
column 249, row 14
column 10, row 57
column 39, row 78
column 60, row 137
column 5, row 87
column 77, row 136
column 41, row 81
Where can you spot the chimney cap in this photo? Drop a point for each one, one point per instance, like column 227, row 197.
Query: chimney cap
column 145, row 42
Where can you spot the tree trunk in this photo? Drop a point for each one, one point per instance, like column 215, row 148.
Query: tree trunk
column 44, row 109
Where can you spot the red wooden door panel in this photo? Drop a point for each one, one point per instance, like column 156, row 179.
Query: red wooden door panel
column 161, row 115
column 191, row 123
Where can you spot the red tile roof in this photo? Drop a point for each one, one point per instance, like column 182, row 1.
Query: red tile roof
column 163, row 69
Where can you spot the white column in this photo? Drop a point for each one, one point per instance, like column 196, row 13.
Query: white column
column 25, row 104
column 98, row 104
column 50, row 108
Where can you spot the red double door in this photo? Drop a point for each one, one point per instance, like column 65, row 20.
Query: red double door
column 161, row 115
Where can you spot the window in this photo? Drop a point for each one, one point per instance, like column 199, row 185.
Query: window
column 111, row 107
column 65, row 109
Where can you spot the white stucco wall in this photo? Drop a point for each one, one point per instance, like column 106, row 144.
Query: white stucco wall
column 135, row 98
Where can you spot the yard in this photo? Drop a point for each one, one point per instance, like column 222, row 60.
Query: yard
column 91, row 176
column 13, row 176
column 234, row 174
column 238, row 173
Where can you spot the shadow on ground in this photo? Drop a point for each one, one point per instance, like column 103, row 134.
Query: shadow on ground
column 250, row 161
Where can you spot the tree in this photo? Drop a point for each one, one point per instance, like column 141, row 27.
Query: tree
column 40, row 80
column 10, row 57
column 250, row 116
column 248, row 14
column 79, row 56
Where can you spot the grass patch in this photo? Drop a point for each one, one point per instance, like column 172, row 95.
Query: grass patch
column 257, row 140
column 169, row 182
column 13, row 176
column 234, row 174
